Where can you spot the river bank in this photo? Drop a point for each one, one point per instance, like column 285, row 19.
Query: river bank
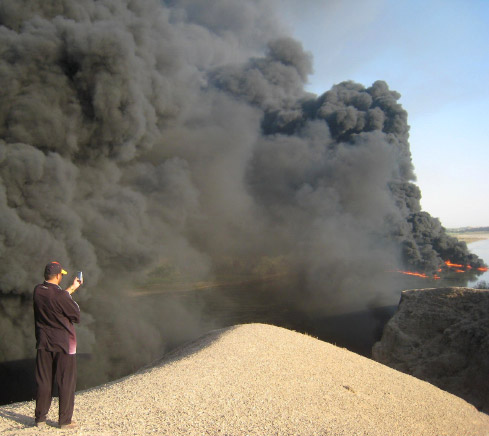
column 470, row 237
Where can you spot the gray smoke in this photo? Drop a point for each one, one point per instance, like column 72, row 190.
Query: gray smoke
column 138, row 133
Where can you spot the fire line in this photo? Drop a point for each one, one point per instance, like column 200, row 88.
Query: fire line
column 416, row 274
column 460, row 268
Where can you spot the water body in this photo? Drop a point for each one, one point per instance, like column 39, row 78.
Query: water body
column 481, row 248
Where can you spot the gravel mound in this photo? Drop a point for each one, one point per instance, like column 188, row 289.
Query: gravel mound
column 259, row 379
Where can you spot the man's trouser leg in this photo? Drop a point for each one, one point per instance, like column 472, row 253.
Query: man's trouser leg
column 44, row 382
column 66, row 381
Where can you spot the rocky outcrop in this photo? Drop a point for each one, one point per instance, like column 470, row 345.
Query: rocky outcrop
column 441, row 336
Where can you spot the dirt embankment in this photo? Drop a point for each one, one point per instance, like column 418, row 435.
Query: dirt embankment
column 470, row 236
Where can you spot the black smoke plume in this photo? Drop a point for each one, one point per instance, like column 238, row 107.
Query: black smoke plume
column 136, row 134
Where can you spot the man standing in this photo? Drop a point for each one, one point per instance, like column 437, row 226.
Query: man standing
column 54, row 314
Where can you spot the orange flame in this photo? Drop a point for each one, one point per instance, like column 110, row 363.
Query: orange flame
column 416, row 274
column 460, row 268
column 409, row 273
column 453, row 265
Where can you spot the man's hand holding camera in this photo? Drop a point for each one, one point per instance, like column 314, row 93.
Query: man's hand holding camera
column 76, row 283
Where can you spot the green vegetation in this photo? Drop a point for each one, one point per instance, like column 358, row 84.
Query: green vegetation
column 468, row 230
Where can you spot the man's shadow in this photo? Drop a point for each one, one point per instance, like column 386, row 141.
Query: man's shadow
column 25, row 420
column 18, row 417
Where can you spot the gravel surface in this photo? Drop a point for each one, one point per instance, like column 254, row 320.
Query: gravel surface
column 259, row 379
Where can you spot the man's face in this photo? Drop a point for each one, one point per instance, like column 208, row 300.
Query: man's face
column 59, row 277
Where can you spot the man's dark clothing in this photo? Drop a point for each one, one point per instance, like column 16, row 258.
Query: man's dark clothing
column 54, row 314
column 63, row 367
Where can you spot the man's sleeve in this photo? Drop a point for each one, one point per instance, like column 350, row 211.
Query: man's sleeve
column 71, row 308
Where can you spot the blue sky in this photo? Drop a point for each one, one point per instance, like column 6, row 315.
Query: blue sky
column 436, row 55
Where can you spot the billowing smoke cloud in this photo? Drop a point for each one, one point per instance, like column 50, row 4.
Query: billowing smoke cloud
column 138, row 133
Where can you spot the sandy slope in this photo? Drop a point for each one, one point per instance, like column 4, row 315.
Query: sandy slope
column 262, row 380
